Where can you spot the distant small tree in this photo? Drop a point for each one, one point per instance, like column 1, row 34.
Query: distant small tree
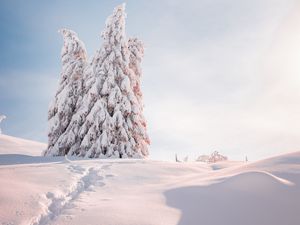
column 176, row 158
column 2, row 117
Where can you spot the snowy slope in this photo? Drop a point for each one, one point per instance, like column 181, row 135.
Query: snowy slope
column 13, row 145
column 146, row 192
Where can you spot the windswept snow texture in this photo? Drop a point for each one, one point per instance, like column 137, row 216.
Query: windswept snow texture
column 145, row 192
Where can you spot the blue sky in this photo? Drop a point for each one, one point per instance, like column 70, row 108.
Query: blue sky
column 218, row 74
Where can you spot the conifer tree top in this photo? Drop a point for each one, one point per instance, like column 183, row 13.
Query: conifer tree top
column 115, row 26
column 73, row 46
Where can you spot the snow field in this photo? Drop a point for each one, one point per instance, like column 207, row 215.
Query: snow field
column 74, row 191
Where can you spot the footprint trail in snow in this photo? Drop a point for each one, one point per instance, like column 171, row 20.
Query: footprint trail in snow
column 86, row 180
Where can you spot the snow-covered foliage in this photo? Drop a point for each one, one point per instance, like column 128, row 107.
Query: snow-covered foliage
column 69, row 91
column 212, row 158
column 107, row 120
column 2, row 117
column 139, row 128
column 216, row 157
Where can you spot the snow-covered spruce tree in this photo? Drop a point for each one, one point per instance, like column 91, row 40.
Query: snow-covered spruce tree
column 82, row 118
column 139, row 126
column 69, row 91
column 107, row 131
column 107, row 115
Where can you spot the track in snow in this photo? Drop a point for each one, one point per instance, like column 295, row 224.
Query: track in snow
column 89, row 178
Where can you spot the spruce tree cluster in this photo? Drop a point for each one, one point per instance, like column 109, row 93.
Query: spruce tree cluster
column 97, row 111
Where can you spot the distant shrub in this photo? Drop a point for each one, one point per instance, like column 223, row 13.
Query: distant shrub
column 212, row 158
column 216, row 157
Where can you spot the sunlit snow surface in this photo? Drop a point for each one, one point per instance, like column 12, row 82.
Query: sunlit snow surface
column 45, row 190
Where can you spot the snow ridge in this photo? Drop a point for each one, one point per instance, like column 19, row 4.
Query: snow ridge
column 57, row 203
